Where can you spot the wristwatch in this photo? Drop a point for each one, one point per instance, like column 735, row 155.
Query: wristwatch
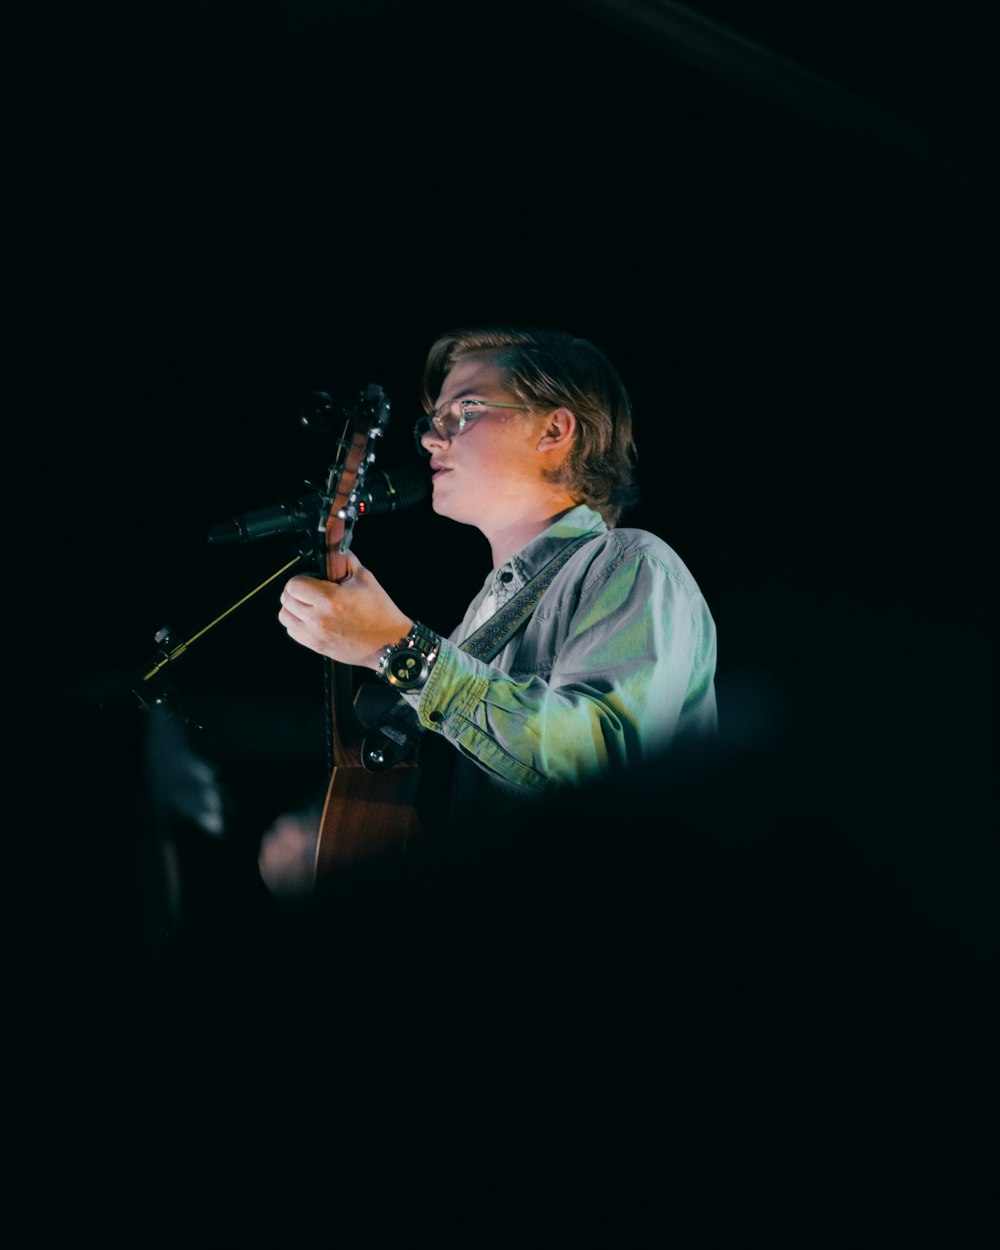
column 407, row 664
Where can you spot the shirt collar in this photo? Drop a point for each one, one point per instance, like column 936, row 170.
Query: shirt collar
column 534, row 555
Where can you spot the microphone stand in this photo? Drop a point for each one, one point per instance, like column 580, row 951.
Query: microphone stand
column 366, row 421
column 169, row 651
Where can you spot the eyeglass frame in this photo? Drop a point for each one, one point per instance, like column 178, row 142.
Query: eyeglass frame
column 429, row 421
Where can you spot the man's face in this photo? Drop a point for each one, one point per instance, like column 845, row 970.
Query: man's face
column 490, row 473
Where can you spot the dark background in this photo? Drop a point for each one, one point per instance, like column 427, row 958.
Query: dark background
column 777, row 220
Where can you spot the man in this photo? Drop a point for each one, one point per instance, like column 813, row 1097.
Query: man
column 529, row 435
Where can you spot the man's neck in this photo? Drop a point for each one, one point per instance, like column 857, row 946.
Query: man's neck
column 508, row 539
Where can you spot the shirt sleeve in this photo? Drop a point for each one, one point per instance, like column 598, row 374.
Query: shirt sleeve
column 633, row 668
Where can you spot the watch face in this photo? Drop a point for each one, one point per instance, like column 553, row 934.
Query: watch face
column 406, row 667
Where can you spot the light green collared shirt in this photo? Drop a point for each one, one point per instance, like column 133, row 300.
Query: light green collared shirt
column 616, row 663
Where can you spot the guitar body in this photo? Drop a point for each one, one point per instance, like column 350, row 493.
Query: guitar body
column 368, row 819
column 369, row 816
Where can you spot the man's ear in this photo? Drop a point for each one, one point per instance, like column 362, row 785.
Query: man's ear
column 558, row 431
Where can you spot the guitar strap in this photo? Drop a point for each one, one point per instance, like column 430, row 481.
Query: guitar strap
column 393, row 727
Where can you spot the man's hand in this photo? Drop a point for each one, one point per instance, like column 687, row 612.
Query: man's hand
column 351, row 621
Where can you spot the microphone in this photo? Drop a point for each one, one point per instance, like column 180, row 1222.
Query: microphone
column 386, row 492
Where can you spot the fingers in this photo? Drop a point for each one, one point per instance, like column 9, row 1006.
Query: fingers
column 316, row 614
column 312, row 590
column 352, row 620
column 303, row 589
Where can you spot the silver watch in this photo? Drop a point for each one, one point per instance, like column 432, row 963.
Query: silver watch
column 407, row 664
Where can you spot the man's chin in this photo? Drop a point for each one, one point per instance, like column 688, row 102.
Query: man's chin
column 442, row 506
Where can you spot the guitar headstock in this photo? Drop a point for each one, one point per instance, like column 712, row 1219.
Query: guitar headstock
column 364, row 424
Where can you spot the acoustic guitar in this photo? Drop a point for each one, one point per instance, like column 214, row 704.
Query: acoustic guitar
column 370, row 813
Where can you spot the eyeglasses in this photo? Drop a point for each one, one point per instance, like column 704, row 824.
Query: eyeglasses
column 448, row 421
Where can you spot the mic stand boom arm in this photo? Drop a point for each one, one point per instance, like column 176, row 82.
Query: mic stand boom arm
column 163, row 657
column 169, row 652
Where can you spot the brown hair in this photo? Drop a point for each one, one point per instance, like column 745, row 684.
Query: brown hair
column 553, row 369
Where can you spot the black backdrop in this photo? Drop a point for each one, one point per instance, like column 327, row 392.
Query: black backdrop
column 775, row 223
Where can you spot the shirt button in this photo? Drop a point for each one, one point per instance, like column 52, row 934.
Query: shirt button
column 434, row 716
column 506, row 576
